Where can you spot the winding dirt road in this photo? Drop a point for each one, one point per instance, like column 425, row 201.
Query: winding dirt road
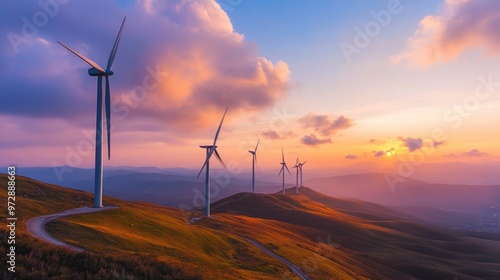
column 36, row 226
column 293, row 267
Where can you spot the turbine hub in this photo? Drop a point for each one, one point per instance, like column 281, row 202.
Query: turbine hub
column 95, row 72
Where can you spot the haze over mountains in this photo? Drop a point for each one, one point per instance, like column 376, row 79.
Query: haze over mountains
column 457, row 206
column 445, row 173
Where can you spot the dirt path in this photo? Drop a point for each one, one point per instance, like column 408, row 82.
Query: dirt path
column 36, row 226
column 293, row 267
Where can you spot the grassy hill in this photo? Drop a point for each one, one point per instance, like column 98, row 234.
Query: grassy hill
column 327, row 238
column 367, row 239
column 140, row 240
column 38, row 260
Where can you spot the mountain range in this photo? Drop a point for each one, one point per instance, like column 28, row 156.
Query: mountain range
column 455, row 206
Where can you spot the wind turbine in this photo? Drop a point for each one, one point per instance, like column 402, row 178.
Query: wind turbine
column 300, row 167
column 283, row 166
column 98, row 71
column 297, row 165
column 254, row 160
column 211, row 149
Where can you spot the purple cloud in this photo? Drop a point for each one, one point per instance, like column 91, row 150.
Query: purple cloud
column 412, row 144
column 378, row 153
column 271, row 134
column 471, row 153
column 323, row 124
column 474, row 153
column 274, row 135
column 351, row 157
column 179, row 75
column 313, row 140
column 436, row 144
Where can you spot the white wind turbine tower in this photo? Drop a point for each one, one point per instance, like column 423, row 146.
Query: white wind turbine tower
column 211, row 149
column 283, row 167
column 297, row 166
column 98, row 71
column 254, row 160
column 300, row 167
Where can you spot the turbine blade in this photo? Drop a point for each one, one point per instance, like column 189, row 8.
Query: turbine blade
column 115, row 47
column 280, row 171
column 107, row 101
column 88, row 60
column 287, row 169
column 219, row 158
column 203, row 167
column 282, row 156
column 304, row 162
column 256, row 146
column 206, row 161
column 220, row 125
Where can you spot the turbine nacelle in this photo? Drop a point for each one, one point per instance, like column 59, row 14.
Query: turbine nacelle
column 208, row 146
column 94, row 72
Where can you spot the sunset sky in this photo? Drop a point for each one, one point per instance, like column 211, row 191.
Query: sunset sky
column 333, row 82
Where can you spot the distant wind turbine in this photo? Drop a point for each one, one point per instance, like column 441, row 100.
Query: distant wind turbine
column 300, row 167
column 297, row 166
column 283, row 167
column 98, row 71
column 211, row 149
column 254, row 161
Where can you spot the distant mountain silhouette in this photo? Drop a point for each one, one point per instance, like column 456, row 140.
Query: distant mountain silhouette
column 453, row 206
column 474, row 207
column 374, row 187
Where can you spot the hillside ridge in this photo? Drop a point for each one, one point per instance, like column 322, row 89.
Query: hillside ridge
column 325, row 237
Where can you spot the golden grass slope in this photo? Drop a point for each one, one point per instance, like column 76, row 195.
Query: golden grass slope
column 327, row 238
column 140, row 229
column 342, row 239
